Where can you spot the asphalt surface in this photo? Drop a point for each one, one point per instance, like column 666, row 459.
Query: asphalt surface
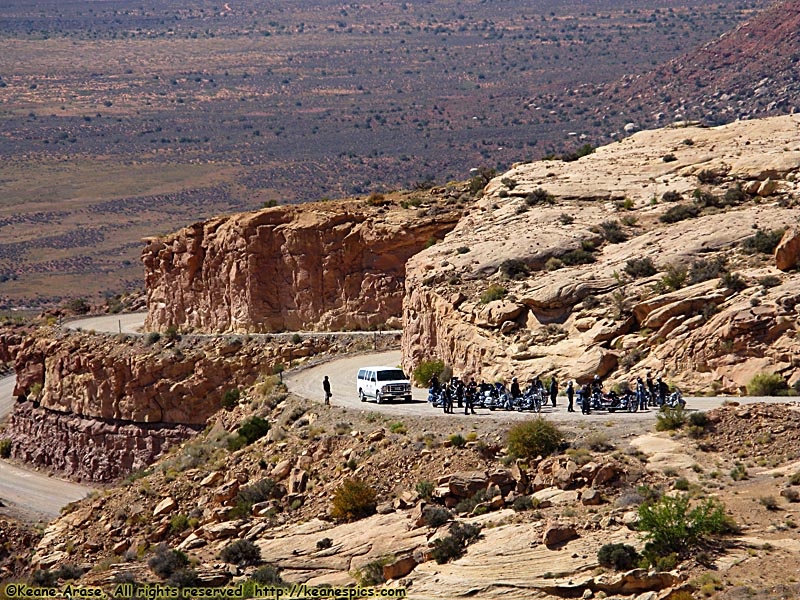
column 26, row 493
column 342, row 372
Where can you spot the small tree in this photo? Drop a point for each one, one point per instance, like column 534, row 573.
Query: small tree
column 426, row 369
column 353, row 500
column 533, row 438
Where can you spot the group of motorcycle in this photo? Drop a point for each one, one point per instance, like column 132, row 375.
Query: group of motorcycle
column 627, row 401
column 497, row 397
column 491, row 396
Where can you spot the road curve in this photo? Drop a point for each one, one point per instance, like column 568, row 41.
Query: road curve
column 31, row 494
column 307, row 383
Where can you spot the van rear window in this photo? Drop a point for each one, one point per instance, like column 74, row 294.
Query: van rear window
column 391, row 375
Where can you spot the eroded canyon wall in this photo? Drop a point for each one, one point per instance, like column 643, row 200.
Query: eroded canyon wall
column 323, row 266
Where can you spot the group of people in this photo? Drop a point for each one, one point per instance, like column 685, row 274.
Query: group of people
column 465, row 395
column 458, row 394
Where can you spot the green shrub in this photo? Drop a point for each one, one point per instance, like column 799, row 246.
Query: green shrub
column 467, row 505
column 566, row 219
column 178, row 523
column 267, row 575
column 769, row 502
column 397, row 427
column 769, row 281
column 324, row 543
column 671, row 527
column 231, row 398
column 680, row 212
column 764, row 242
column 5, row 448
column 733, row 281
column 533, row 438
column 166, row 561
column 553, row 264
column 734, row 195
column 539, row 196
column 184, row 578
column 613, row 232
column 705, row 199
column 493, row 292
column 674, row 277
column 767, row 384
column 513, row 268
column 425, row 370
column 670, row 418
column 371, row 574
column 462, row 249
column 261, row 490
column 681, row 484
column 703, row 270
column 425, row 489
column 620, row 557
column 452, row 546
column 739, row 472
column 353, row 500
column 253, row 428
column 241, row 552
column 640, row 267
column 698, row 419
column 709, row 176
column 577, row 257
column 522, row 503
column 436, row 516
column 457, row 440
column 152, row 337
column 671, row 196
column 669, row 158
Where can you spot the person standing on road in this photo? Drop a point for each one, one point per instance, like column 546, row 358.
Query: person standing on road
column 641, row 393
column 326, row 387
column 663, row 389
column 570, row 396
column 553, row 391
column 586, row 399
column 651, row 388
column 469, row 396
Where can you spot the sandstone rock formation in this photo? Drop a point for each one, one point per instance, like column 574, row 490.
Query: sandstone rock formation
column 323, row 266
column 540, row 221
column 110, row 404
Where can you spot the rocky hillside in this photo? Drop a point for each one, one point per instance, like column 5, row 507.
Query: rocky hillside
column 654, row 253
column 317, row 266
column 752, row 71
column 109, row 405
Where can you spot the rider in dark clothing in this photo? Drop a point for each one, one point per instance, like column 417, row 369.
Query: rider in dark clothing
column 586, row 399
column 553, row 391
column 641, row 394
column 447, row 400
column 651, row 388
column 469, row 396
column 515, row 391
column 458, row 388
column 663, row 389
column 570, row 396
column 434, row 383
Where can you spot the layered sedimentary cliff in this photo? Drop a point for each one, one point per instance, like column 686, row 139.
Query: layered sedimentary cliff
column 654, row 253
column 111, row 404
column 323, row 266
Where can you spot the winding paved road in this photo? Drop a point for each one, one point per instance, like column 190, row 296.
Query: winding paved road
column 342, row 374
column 31, row 494
column 37, row 494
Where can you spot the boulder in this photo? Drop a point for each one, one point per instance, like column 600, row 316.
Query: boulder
column 591, row 497
column 166, row 506
column 281, row 470
column 399, row 567
column 211, row 479
column 557, row 533
column 298, row 481
column 787, row 252
column 466, row 484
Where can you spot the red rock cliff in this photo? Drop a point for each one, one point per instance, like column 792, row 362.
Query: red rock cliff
column 325, row 266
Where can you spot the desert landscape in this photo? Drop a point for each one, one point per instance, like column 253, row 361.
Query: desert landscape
column 207, row 210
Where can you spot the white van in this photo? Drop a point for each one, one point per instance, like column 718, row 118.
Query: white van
column 383, row 384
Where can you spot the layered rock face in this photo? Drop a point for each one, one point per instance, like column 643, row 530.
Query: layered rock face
column 108, row 404
column 707, row 307
column 324, row 266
